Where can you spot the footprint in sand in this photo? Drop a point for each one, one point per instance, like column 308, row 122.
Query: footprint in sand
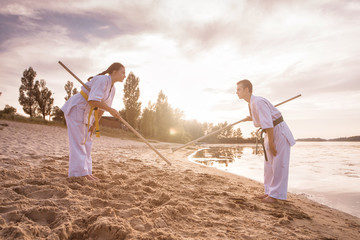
column 150, row 183
column 107, row 228
column 7, row 209
column 160, row 199
column 119, row 176
column 99, row 203
column 2, row 221
column 41, row 192
column 287, row 210
column 45, row 216
column 131, row 212
column 12, row 216
column 140, row 224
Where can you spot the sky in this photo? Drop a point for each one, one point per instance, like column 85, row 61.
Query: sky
column 195, row 51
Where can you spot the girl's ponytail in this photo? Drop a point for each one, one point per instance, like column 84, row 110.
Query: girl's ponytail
column 113, row 67
column 102, row 73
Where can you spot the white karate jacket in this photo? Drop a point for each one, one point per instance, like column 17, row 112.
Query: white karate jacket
column 100, row 90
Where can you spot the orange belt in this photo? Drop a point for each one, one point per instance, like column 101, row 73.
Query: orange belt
column 96, row 113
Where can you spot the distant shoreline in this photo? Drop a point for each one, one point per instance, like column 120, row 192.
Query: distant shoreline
column 127, row 135
column 341, row 139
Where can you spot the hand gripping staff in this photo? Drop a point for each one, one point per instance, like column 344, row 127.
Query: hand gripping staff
column 121, row 119
column 228, row 126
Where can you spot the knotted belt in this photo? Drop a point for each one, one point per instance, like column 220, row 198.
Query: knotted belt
column 276, row 122
column 96, row 111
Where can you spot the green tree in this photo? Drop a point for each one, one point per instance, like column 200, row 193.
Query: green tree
column 254, row 135
column 147, row 120
column 8, row 110
column 70, row 91
column 194, row 129
column 27, row 92
column 43, row 98
column 57, row 114
column 210, row 127
column 226, row 133
column 131, row 100
column 237, row 133
column 162, row 117
column 122, row 113
column 168, row 124
column 177, row 130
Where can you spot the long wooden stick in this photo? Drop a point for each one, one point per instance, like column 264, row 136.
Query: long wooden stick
column 121, row 119
column 228, row 126
column 69, row 71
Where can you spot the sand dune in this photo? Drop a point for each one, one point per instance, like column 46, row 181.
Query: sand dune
column 140, row 197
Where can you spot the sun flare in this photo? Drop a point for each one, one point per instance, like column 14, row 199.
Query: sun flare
column 172, row 131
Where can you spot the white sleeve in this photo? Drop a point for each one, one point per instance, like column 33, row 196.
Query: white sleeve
column 109, row 101
column 264, row 114
column 97, row 91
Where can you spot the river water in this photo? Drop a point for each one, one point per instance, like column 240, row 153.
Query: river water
column 326, row 172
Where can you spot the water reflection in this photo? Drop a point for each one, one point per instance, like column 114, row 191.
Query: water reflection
column 221, row 157
column 258, row 150
column 325, row 171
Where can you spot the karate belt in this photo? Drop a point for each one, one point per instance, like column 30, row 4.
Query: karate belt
column 96, row 113
column 276, row 122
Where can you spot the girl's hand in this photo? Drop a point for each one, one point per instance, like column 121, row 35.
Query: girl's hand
column 91, row 129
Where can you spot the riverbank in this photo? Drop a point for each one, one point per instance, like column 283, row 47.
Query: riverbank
column 140, row 197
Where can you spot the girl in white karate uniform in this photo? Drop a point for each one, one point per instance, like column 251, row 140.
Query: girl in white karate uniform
column 277, row 142
column 81, row 124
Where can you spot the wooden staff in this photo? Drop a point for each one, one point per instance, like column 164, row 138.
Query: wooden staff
column 228, row 126
column 69, row 71
column 121, row 119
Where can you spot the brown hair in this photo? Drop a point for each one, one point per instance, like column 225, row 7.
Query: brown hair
column 246, row 84
column 113, row 67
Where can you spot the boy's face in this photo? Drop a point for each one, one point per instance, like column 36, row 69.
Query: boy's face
column 241, row 91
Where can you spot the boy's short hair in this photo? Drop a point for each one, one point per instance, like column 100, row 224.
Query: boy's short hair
column 246, row 84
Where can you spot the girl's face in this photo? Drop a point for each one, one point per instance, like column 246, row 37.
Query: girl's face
column 119, row 75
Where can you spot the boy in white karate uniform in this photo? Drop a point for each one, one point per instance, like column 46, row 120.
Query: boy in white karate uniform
column 277, row 142
column 79, row 119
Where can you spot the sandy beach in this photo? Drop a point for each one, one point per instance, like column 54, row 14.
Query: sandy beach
column 139, row 196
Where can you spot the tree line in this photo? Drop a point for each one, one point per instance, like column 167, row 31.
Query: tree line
column 157, row 120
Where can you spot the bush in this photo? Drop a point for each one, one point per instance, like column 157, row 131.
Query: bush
column 9, row 110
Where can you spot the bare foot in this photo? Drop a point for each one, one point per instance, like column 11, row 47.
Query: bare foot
column 262, row 196
column 89, row 177
column 269, row 199
column 95, row 178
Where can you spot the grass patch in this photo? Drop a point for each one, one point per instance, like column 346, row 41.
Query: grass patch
column 104, row 131
column 117, row 132
column 19, row 118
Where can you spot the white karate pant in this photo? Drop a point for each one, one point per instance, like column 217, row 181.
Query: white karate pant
column 80, row 163
column 276, row 169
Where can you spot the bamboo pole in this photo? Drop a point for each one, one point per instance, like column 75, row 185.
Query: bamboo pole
column 121, row 119
column 228, row 126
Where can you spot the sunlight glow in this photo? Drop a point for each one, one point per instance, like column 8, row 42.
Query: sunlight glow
column 172, row 131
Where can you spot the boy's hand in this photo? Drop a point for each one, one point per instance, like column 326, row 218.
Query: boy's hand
column 273, row 149
column 248, row 118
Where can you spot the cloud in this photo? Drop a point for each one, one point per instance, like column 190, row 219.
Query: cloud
column 82, row 20
column 79, row 27
column 251, row 26
column 195, row 51
column 16, row 9
column 332, row 77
